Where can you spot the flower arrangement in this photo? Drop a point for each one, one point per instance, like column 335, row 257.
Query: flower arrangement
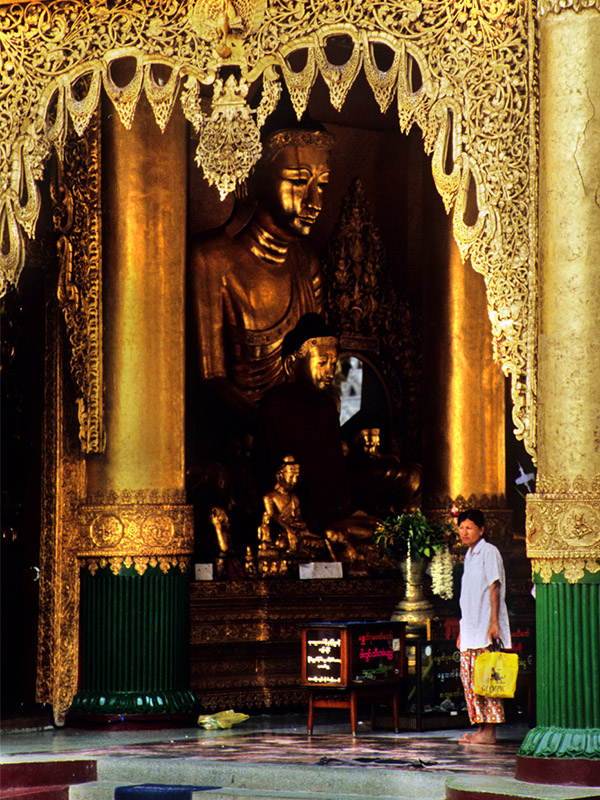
column 411, row 535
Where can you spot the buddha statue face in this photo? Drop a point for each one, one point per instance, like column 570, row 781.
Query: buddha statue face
column 370, row 438
column 288, row 472
column 290, row 189
column 316, row 363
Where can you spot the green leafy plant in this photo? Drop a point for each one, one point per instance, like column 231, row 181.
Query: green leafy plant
column 411, row 534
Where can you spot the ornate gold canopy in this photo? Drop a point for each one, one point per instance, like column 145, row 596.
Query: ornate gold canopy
column 462, row 71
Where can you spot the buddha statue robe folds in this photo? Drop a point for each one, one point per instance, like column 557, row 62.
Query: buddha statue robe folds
column 249, row 289
column 249, row 293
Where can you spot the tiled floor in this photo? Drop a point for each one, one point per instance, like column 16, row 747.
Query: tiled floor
column 276, row 740
column 271, row 757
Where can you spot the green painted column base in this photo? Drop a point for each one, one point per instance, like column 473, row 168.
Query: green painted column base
column 130, row 703
column 554, row 742
column 134, row 643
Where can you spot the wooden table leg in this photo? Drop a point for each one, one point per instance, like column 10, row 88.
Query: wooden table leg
column 353, row 711
column 396, row 708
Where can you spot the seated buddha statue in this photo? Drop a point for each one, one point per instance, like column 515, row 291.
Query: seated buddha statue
column 299, row 418
column 283, row 510
column 381, row 482
column 250, row 288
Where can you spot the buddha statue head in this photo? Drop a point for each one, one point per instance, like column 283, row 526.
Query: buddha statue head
column 310, row 352
column 369, row 440
column 289, row 180
column 287, row 474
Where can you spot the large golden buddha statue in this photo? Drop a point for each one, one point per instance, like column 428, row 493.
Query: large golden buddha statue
column 250, row 288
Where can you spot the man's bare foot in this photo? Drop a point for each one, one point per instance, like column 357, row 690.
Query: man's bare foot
column 485, row 734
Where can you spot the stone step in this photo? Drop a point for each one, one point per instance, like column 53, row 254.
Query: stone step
column 35, row 793
column 105, row 790
column 275, row 780
column 38, row 774
column 485, row 787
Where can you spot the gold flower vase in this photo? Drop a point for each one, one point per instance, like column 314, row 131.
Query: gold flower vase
column 414, row 608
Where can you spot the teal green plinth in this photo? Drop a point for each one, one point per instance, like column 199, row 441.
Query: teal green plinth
column 568, row 670
column 134, row 643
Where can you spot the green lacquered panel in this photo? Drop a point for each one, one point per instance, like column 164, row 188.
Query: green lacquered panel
column 157, row 702
column 555, row 742
column 568, row 667
column 134, row 641
column 568, row 672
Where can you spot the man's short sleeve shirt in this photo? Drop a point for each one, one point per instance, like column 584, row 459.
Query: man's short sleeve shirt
column 483, row 566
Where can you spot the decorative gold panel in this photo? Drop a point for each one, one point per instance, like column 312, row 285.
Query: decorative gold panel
column 563, row 527
column 462, row 71
column 136, row 535
column 63, row 486
column 498, row 518
column 77, row 219
column 556, row 6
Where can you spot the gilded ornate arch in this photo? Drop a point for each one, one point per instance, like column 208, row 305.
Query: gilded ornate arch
column 462, row 71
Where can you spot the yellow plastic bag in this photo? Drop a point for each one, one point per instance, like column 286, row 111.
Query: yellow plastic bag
column 495, row 674
column 221, row 720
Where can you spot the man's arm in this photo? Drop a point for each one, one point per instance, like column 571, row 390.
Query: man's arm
column 494, row 630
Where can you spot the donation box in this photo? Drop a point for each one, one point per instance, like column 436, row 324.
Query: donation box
column 353, row 654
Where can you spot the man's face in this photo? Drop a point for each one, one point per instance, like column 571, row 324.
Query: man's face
column 318, row 366
column 292, row 189
column 469, row 533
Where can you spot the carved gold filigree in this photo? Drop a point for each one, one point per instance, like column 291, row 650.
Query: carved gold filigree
column 63, row 486
column 127, row 497
column 77, row 219
column 230, row 140
column 370, row 316
column 139, row 535
column 257, row 698
column 563, row 527
column 498, row 518
column 556, row 6
column 141, row 563
column 218, row 21
column 462, row 71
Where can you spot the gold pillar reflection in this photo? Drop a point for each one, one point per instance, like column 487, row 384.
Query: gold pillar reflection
column 569, row 219
column 464, row 452
column 144, row 222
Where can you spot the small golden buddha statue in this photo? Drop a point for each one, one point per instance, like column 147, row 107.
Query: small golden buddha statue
column 227, row 564
column 250, row 288
column 283, row 509
column 220, row 522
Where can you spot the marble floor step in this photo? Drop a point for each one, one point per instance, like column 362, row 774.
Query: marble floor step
column 105, row 790
column 35, row 793
column 293, row 781
column 467, row 787
column 38, row 774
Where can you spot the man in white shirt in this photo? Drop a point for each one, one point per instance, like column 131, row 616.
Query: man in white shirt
column 484, row 618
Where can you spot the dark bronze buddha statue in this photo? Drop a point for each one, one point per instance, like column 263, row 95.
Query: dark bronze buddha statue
column 250, row 288
column 299, row 418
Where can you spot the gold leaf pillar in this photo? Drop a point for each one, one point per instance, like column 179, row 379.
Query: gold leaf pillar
column 563, row 517
column 464, row 450
column 136, row 535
